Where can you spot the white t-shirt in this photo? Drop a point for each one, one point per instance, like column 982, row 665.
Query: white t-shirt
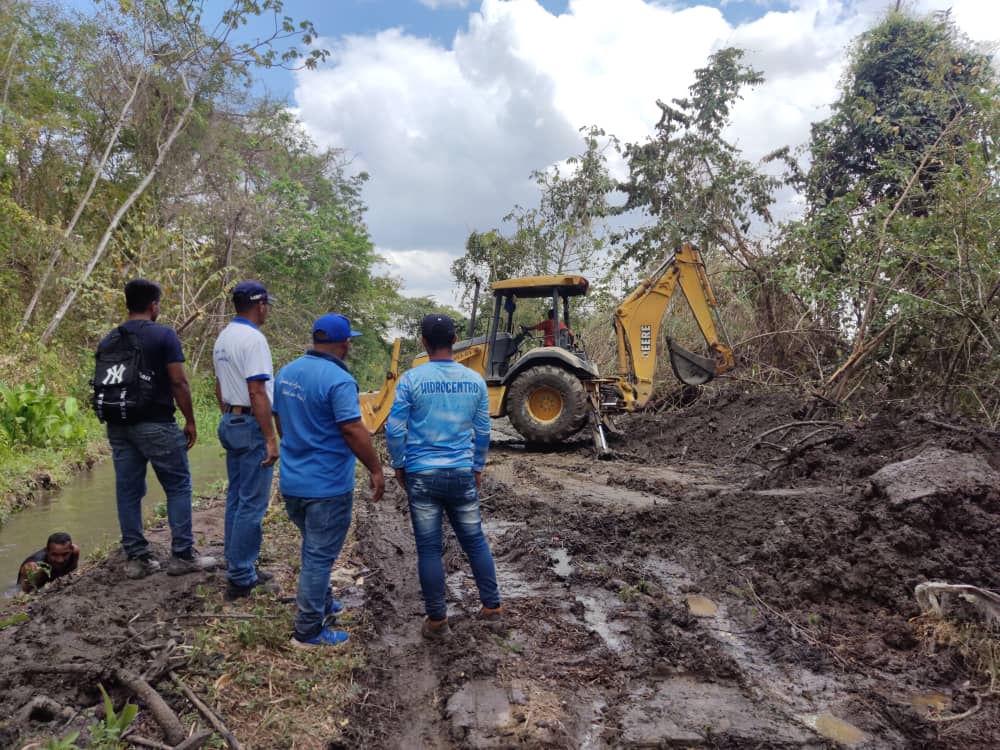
column 240, row 355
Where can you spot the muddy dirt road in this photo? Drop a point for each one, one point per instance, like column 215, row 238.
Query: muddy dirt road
column 700, row 590
column 740, row 575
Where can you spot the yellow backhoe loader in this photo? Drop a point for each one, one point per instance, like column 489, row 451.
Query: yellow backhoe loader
column 550, row 392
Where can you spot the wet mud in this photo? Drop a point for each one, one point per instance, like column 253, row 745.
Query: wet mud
column 740, row 575
column 707, row 588
column 82, row 629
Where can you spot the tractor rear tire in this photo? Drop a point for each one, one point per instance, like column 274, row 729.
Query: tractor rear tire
column 547, row 404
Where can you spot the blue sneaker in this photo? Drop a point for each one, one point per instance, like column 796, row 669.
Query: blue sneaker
column 334, row 607
column 326, row 637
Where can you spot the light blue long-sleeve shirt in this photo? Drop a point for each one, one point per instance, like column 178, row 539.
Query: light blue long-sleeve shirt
column 440, row 419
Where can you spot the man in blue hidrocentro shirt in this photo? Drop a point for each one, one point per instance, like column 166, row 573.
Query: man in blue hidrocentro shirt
column 318, row 417
column 438, row 433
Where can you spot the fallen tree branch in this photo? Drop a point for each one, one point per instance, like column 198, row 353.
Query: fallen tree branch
column 797, row 628
column 136, row 739
column 162, row 713
column 957, row 428
column 207, row 712
column 223, row 616
column 87, row 669
column 963, row 715
column 759, row 440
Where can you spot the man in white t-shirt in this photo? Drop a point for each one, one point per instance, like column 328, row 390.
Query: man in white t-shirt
column 244, row 387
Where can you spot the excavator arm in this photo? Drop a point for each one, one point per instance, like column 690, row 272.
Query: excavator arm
column 637, row 326
column 375, row 405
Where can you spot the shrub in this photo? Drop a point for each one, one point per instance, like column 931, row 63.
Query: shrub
column 32, row 416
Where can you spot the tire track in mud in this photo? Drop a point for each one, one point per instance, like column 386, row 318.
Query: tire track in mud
column 600, row 648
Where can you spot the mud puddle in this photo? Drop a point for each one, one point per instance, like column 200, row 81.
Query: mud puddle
column 585, row 659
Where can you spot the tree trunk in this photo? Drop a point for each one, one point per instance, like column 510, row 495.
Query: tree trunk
column 122, row 210
column 8, row 74
column 29, row 311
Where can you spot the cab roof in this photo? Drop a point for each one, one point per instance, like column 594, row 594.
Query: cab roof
column 570, row 285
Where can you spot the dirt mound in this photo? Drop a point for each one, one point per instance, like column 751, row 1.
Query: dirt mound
column 77, row 634
column 795, row 439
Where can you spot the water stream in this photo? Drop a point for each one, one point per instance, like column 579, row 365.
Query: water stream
column 85, row 507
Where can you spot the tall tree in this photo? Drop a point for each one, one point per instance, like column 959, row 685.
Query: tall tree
column 897, row 248
column 189, row 64
column 565, row 233
column 691, row 182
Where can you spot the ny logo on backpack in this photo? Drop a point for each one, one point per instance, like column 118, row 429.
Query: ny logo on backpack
column 123, row 385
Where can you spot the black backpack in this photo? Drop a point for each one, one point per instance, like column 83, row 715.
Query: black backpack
column 124, row 388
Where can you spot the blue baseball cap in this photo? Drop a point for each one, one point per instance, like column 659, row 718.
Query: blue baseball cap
column 251, row 291
column 333, row 328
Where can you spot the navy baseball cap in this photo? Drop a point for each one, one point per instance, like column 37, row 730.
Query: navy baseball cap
column 251, row 291
column 333, row 328
column 436, row 325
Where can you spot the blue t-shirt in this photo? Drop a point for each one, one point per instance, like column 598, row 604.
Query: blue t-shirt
column 440, row 419
column 160, row 347
column 313, row 396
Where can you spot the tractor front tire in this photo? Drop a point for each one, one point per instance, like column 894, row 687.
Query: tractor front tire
column 547, row 404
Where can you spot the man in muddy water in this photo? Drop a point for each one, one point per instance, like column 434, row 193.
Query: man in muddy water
column 438, row 433
column 59, row 558
column 318, row 416
column 244, row 387
column 155, row 439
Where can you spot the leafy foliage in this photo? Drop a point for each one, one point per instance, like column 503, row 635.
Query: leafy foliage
column 30, row 415
column 689, row 181
column 107, row 733
column 898, row 247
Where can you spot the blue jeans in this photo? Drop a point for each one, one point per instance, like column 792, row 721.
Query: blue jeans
column 163, row 445
column 324, row 522
column 247, row 496
column 451, row 491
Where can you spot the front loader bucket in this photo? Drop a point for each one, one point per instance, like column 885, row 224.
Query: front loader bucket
column 690, row 368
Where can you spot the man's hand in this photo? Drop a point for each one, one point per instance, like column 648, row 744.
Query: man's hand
column 401, row 478
column 272, row 452
column 191, row 433
column 378, row 485
column 479, row 480
column 28, row 573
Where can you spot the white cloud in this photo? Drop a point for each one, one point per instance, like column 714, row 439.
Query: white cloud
column 435, row 4
column 451, row 134
column 427, row 272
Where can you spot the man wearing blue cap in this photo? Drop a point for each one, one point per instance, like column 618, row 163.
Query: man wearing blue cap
column 318, row 415
column 244, row 387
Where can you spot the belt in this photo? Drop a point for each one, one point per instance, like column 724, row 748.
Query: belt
column 237, row 409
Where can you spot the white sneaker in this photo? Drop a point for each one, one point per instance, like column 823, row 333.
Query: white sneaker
column 179, row 566
column 140, row 567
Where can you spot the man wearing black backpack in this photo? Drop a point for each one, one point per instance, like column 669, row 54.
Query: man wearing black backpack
column 138, row 379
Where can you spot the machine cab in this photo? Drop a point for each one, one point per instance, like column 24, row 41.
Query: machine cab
column 503, row 343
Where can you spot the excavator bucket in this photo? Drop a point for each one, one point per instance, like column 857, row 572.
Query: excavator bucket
column 690, row 368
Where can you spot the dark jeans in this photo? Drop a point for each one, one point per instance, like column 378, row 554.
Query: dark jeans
column 324, row 523
column 432, row 494
column 247, row 496
column 163, row 445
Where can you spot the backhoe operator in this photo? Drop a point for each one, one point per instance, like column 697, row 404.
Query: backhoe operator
column 547, row 327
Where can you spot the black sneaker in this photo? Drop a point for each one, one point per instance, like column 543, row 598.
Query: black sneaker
column 264, row 575
column 234, row 592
